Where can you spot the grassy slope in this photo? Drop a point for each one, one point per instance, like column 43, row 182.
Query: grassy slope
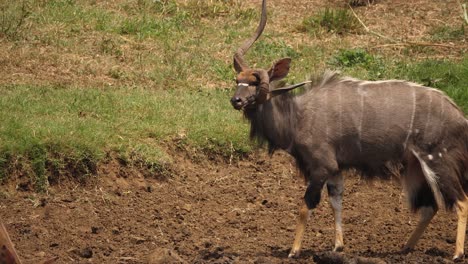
column 82, row 79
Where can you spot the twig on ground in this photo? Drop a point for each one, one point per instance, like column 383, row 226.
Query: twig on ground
column 465, row 15
column 368, row 30
column 410, row 43
column 396, row 42
column 464, row 12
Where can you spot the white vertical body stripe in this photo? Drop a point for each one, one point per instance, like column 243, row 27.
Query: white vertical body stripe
column 413, row 112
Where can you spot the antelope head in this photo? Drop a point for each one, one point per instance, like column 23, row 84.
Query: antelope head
column 253, row 85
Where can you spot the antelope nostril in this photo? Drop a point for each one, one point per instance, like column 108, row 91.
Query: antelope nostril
column 236, row 100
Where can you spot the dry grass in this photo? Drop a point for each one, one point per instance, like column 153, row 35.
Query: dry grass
column 75, row 51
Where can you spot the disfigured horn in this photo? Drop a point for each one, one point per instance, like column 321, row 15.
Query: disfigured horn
column 239, row 63
column 260, row 77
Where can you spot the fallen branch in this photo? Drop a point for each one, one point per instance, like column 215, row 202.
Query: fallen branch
column 465, row 14
column 410, row 43
column 367, row 29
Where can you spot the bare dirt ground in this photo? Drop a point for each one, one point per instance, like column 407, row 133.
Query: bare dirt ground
column 214, row 212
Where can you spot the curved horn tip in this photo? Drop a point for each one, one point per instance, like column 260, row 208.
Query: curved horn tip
column 249, row 42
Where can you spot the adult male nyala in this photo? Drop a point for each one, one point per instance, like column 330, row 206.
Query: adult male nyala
column 341, row 123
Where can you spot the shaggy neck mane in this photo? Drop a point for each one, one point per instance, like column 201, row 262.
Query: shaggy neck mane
column 274, row 122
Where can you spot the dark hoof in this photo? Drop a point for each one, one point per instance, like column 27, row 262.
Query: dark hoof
column 459, row 257
column 406, row 250
column 338, row 249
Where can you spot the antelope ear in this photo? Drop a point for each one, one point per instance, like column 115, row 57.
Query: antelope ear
column 280, row 69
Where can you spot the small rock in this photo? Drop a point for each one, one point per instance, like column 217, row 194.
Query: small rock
column 331, row 258
column 137, row 240
column 450, row 240
column 86, row 253
column 187, row 207
column 164, row 256
column 363, row 260
column 95, row 229
column 149, row 188
column 43, row 202
column 262, row 260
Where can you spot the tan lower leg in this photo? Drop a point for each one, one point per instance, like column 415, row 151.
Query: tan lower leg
column 304, row 213
column 462, row 213
column 338, row 239
column 427, row 213
column 336, row 206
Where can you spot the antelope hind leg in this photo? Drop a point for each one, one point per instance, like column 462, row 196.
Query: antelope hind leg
column 462, row 213
column 418, row 187
column 304, row 214
column 427, row 213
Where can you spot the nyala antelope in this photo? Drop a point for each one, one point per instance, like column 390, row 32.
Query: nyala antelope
column 342, row 123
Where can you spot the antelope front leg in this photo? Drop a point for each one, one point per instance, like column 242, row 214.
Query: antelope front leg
column 304, row 214
column 311, row 199
column 335, row 194
column 462, row 213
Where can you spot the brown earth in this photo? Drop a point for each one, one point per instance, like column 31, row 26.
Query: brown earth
column 209, row 211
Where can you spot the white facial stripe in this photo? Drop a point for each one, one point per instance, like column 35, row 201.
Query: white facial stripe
column 242, row 84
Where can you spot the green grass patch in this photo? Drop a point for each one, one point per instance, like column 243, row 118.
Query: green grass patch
column 449, row 76
column 359, row 63
column 46, row 124
column 338, row 21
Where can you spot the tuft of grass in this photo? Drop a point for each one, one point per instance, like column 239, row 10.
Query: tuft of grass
column 12, row 17
column 5, row 158
column 352, row 57
column 360, row 2
column 447, row 33
column 338, row 21
column 273, row 50
column 147, row 26
column 38, row 156
column 358, row 62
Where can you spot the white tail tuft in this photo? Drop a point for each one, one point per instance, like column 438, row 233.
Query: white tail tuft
column 431, row 178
